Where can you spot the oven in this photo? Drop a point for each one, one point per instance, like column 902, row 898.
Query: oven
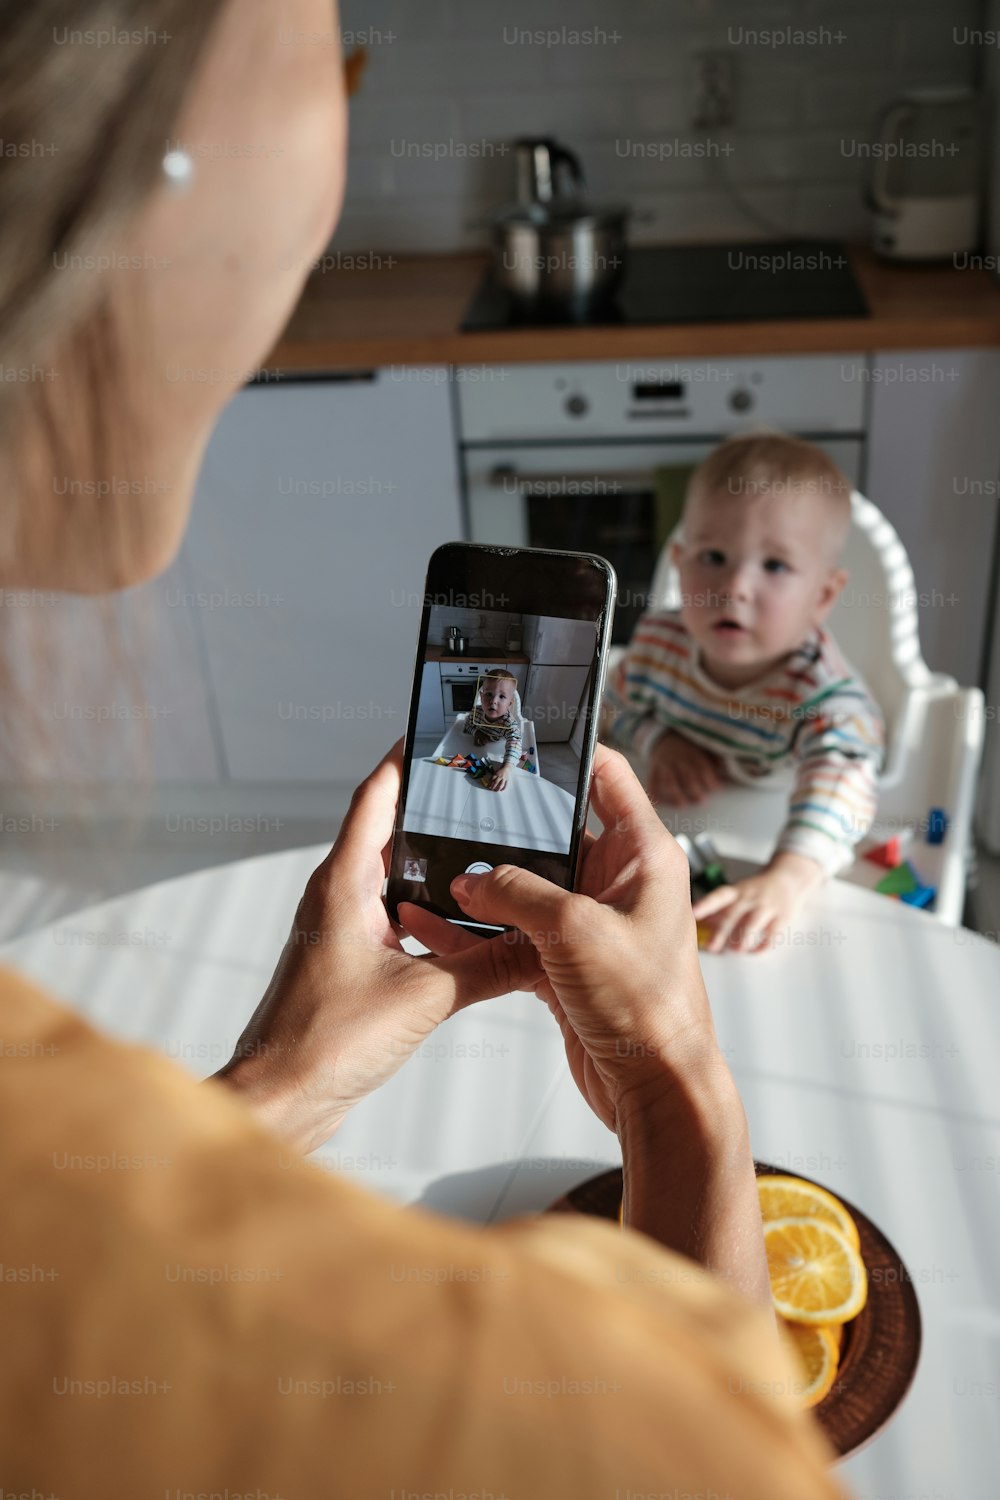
column 458, row 685
column 596, row 457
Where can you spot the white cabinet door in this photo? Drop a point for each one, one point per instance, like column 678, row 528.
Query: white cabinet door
column 430, row 709
column 318, row 506
column 934, row 456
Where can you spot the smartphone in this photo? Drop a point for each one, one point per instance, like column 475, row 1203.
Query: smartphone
column 510, row 668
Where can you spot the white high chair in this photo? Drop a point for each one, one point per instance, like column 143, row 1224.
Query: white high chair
column 456, row 742
column 934, row 727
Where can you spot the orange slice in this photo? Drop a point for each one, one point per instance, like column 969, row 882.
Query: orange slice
column 794, row 1198
column 819, row 1357
column 817, row 1276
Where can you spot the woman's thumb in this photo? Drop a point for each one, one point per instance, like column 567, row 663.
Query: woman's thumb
column 511, row 897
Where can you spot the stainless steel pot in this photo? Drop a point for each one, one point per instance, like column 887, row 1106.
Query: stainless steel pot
column 552, row 250
column 561, row 254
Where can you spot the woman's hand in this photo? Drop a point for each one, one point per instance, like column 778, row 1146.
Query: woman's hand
column 619, row 960
column 621, row 975
column 680, row 771
column 749, row 913
column 347, row 1006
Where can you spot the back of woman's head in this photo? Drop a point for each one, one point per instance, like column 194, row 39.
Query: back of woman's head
column 89, row 91
column 121, row 299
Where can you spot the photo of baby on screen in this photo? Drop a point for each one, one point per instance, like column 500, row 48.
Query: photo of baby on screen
column 500, row 728
column 497, row 716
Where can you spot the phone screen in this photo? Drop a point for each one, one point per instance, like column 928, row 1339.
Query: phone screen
column 503, row 719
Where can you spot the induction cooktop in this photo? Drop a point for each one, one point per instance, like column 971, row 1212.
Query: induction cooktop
column 724, row 283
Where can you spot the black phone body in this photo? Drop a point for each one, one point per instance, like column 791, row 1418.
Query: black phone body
column 510, row 667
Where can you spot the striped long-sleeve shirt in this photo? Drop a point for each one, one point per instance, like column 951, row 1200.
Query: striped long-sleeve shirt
column 810, row 719
column 508, row 728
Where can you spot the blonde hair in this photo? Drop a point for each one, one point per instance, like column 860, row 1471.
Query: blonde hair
column 772, row 463
column 92, row 122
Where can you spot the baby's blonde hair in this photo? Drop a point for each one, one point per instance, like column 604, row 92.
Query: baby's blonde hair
column 765, row 463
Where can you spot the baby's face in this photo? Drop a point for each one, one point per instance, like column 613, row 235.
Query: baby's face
column 496, row 696
column 756, row 578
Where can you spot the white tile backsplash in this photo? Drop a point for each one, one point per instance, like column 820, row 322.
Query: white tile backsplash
column 484, row 629
column 450, row 82
column 832, row 210
column 715, row 214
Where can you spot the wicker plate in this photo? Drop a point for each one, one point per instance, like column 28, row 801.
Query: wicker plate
column 881, row 1345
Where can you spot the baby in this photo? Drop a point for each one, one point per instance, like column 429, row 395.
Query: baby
column 495, row 718
column 743, row 679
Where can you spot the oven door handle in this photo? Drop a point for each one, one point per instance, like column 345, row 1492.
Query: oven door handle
column 607, row 482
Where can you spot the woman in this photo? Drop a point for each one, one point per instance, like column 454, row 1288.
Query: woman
column 319, row 1369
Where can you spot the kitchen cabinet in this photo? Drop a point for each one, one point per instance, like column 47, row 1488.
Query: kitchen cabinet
column 933, row 461
column 430, row 708
column 318, row 505
column 278, row 649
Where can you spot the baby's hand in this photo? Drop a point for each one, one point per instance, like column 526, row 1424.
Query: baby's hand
column 499, row 778
column 681, row 772
column 750, row 912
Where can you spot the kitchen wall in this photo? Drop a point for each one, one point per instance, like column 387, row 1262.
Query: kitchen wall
column 451, row 82
column 483, row 629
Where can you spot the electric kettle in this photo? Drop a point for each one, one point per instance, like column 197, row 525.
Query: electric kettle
column 923, row 186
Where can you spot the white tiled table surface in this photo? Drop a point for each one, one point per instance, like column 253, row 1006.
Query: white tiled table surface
column 866, row 1050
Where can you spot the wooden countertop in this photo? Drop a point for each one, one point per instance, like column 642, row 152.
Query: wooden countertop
column 438, row 653
column 406, row 310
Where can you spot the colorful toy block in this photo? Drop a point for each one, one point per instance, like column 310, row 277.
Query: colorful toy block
column 900, row 881
column 711, row 874
column 937, row 825
column 922, row 896
column 887, row 854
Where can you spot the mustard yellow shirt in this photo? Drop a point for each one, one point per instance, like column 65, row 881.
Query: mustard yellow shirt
column 190, row 1309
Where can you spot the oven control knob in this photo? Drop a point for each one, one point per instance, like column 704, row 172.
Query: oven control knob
column 741, row 400
column 577, row 406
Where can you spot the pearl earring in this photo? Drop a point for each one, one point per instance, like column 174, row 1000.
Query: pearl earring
column 178, row 169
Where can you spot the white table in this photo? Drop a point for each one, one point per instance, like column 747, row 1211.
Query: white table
column 866, row 1053
column 530, row 812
